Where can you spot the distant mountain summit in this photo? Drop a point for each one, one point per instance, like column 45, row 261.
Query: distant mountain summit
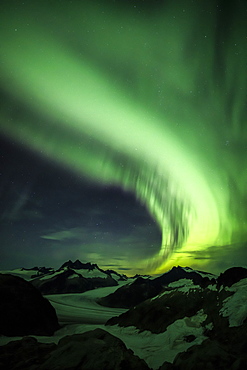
column 177, row 272
column 205, row 318
column 143, row 288
column 231, row 276
column 77, row 277
column 73, row 277
column 202, row 317
column 78, row 265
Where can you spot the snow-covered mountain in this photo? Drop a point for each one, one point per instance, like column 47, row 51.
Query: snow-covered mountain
column 74, row 277
column 71, row 277
column 143, row 288
column 207, row 324
column 183, row 319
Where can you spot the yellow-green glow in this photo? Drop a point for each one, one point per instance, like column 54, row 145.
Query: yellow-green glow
column 94, row 127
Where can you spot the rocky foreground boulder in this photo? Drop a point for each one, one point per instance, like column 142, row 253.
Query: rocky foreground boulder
column 92, row 350
column 23, row 309
column 231, row 276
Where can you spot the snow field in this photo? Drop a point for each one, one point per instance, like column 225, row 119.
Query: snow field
column 79, row 313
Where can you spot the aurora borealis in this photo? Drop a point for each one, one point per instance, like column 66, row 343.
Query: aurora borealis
column 106, row 102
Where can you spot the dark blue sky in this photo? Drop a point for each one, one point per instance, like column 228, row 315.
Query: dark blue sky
column 49, row 215
column 147, row 95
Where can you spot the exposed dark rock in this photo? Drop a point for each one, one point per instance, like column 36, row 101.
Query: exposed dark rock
column 156, row 314
column 23, row 310
column 70, row 281
column 176, row 273
column 70, row 278
column 96, row 349
column 92, row 350
column 141, row 289
column 63, row 283
column 36, row 268
column 26, row 353
column 41, row 271
column 167, row 366
column 121, row 277
column 228, row 350
column 189, row 338
column 232, row 276
column 99, row 282
column 79, row 265
column 211, row 354
column 132, row 294
column 138, row 275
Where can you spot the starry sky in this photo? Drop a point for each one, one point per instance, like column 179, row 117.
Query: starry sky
column 123, row 131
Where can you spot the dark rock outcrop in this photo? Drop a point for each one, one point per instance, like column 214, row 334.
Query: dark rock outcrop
column 231, row 276
column 70, row 281
column 156, row 314
column 40, row 270
column 226, row 351
column 132, row 294
column 64, row 282
column 23, row 310
column 77, row 265
column 23, row 354
column 143, row 288
column 73, row 277
column 114, row 274
column 92, row 350
column 176, row 273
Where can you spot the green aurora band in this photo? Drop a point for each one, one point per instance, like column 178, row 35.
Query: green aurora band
column 153, row 103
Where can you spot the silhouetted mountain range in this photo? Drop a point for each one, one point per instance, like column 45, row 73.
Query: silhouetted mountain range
column 202, row 314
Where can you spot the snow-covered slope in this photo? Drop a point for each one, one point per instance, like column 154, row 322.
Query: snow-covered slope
column 143, row 288
column 71, row 277
column 190, row 321
column 211, row 319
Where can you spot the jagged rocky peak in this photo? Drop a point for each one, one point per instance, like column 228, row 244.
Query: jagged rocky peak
column 178, row 272
column 143, row 287
column 231, row 276
column 78, row 265
column 121, row 277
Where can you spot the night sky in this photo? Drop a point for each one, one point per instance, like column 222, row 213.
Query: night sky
column 123, row 134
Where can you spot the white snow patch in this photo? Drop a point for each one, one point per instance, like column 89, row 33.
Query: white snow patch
column 95, row 273
column 81, row 313
column 155, row 349
column 181, row 283
column 50, row 276
column 18, row 272
column 73, row 276
column 235, row 306
column 184, row 285
column 161, row 295
column 212, row 287
column 203, row 274
column 209, row 326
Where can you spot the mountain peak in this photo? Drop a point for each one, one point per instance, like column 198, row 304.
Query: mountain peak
column 78, row 265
